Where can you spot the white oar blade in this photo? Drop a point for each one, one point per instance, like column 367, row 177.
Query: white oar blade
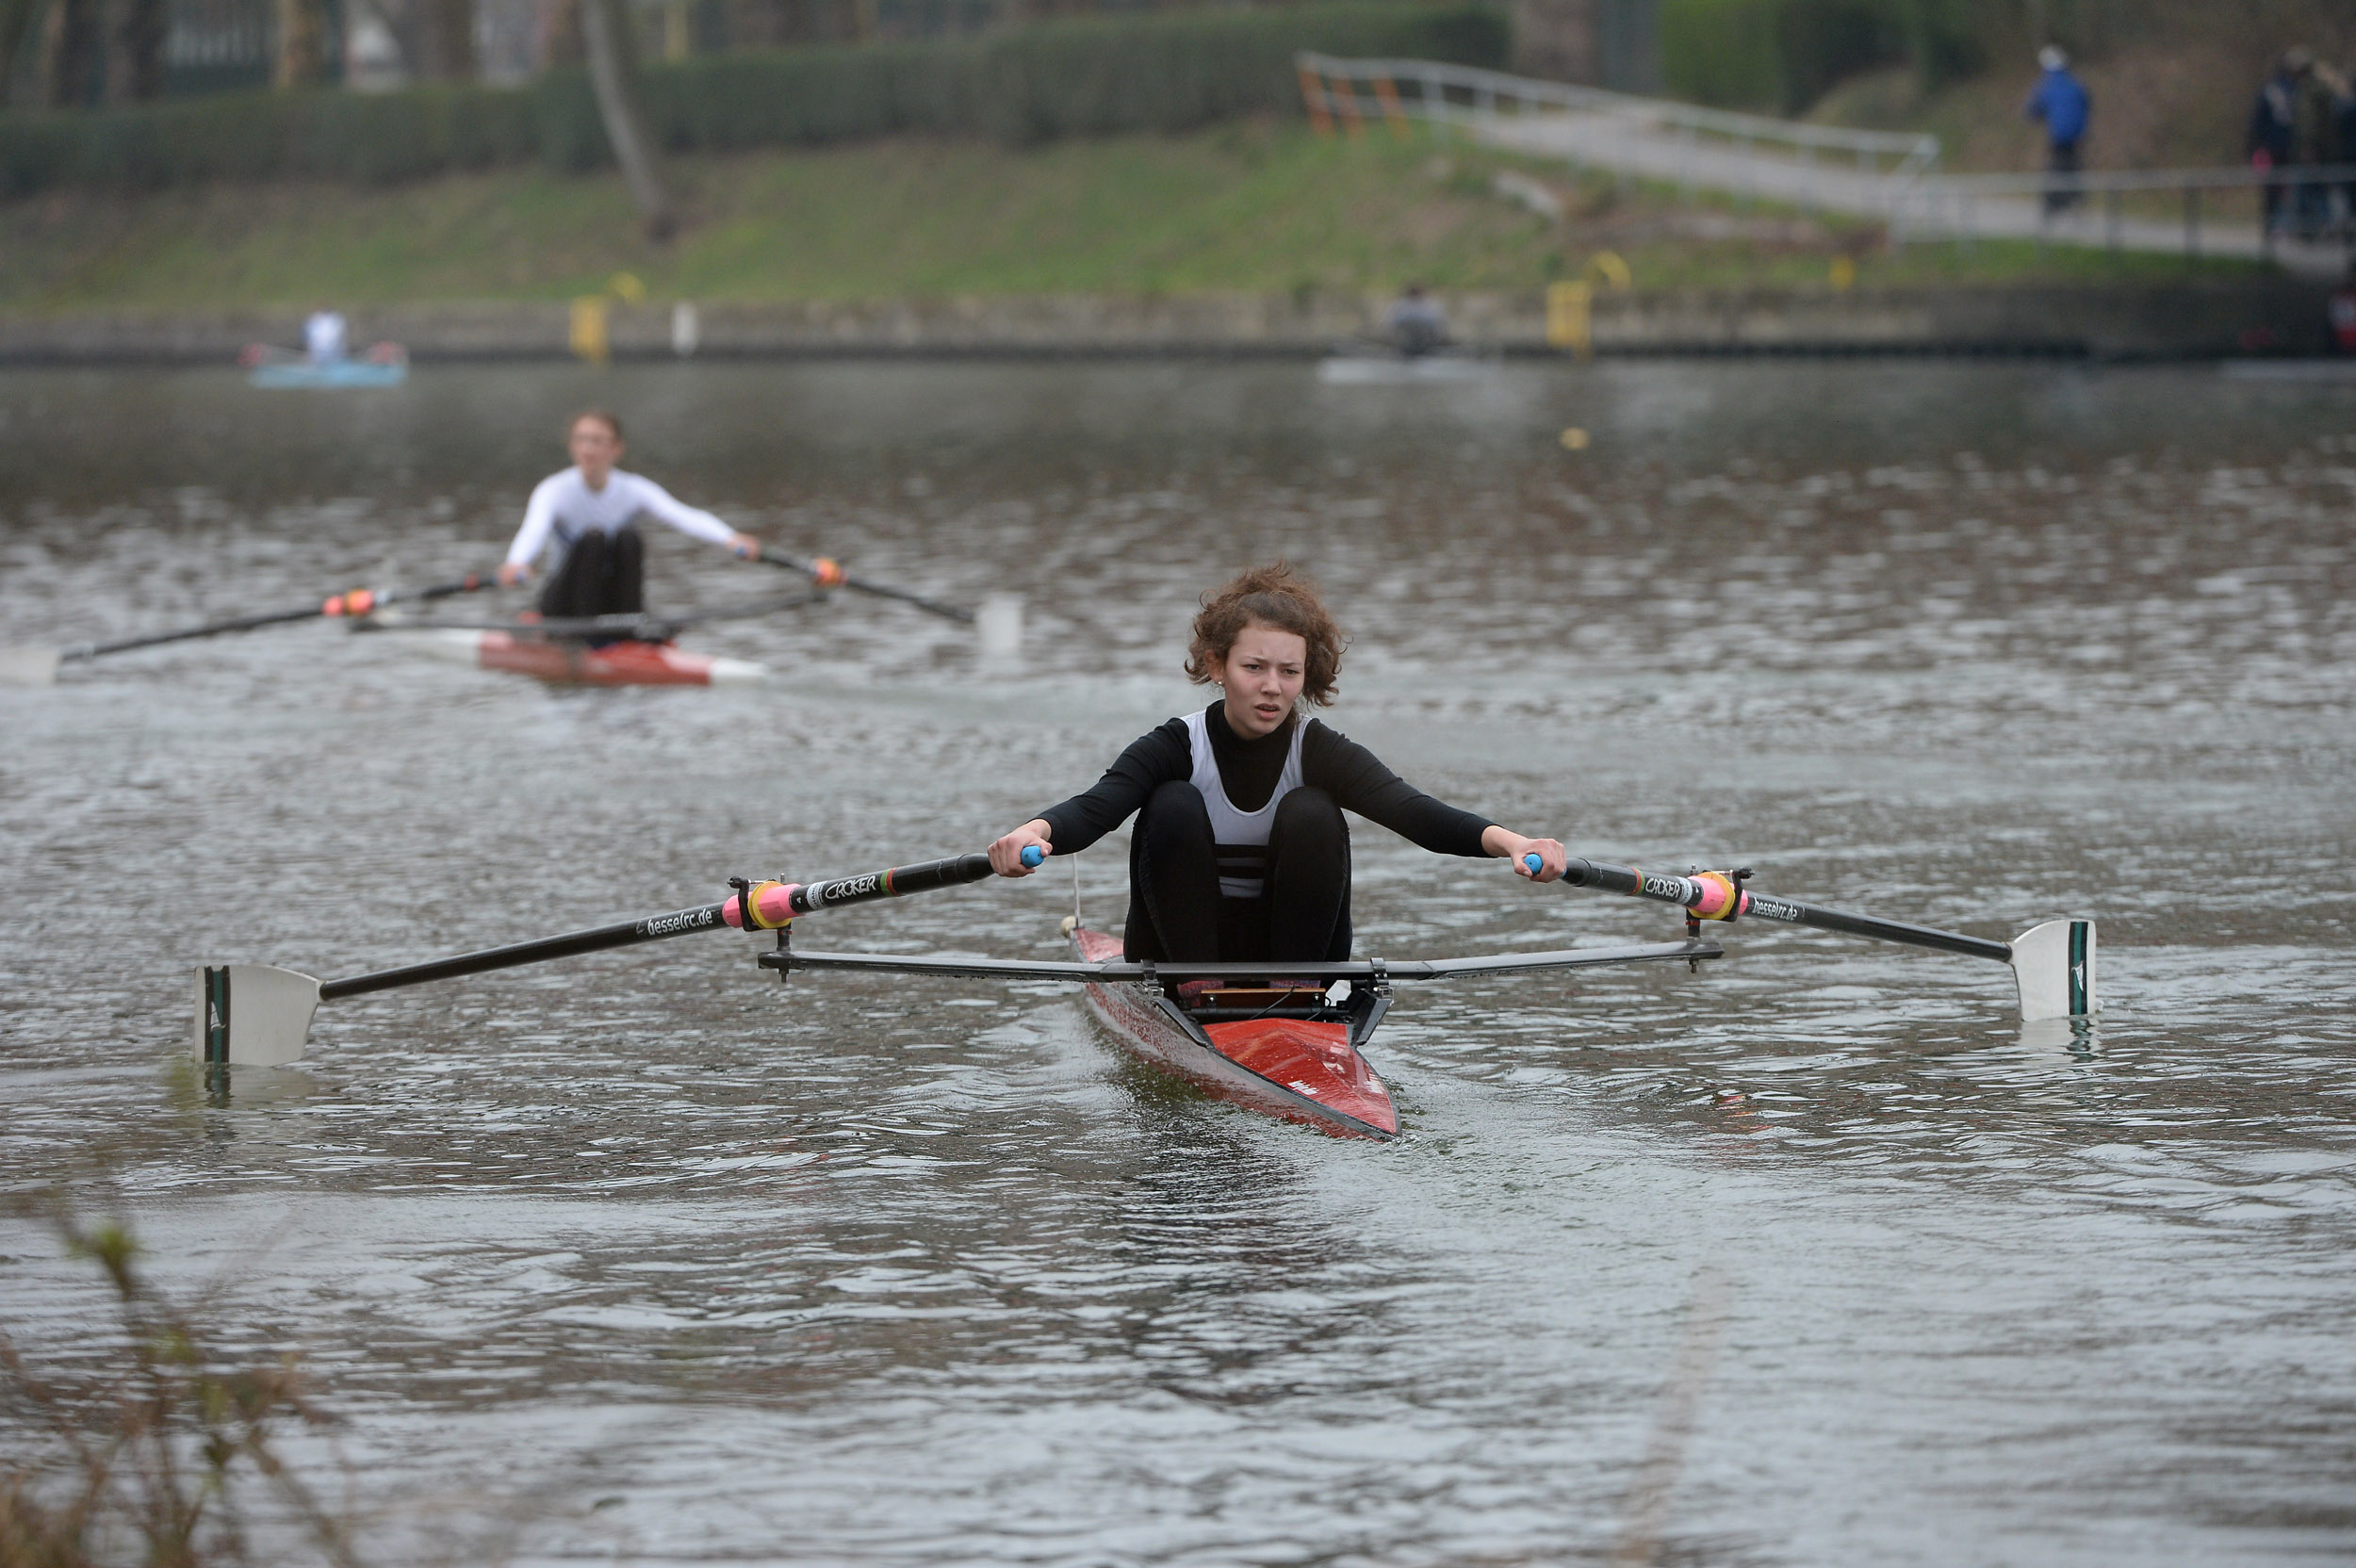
column 1000, row 623
column 2054, row 964
column 253, row 1015
column 457, row 647
column 28, row 667
column 737, row 672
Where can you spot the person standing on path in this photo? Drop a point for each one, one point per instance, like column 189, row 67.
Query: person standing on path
column 2060, row 104
column 2344, row 122
column 2273, row 121
column 591, row 511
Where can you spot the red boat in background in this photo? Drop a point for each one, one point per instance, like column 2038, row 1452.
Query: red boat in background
column 570, row 662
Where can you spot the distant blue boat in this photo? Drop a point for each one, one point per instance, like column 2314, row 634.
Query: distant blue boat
column 335, row 373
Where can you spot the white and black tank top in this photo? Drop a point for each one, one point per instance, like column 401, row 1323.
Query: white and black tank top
column 1239, row 837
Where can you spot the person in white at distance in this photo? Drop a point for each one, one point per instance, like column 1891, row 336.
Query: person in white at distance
column 591, row 511
column 323, row 337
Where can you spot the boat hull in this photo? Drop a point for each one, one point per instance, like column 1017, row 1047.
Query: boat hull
column 336, row 376
column 1302, row 1069
column 573, row 663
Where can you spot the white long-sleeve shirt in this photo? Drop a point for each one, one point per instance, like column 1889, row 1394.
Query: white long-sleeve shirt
column 563, row 506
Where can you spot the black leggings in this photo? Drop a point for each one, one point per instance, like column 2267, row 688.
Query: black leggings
column 602, row 574
column 1177, row 914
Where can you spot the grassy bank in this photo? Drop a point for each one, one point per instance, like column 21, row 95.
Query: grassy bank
column 1262, row 206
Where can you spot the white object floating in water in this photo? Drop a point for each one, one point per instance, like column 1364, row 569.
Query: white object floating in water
column 686, row 329
column 1376, row 369
column 1000, row 623
column 28, row 667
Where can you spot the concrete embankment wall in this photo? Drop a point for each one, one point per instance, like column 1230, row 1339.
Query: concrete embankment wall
column 2195, row 320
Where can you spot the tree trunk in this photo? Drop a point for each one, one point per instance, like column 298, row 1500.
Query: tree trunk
column 561, row 42
column 135, row 50
column 1557, row 39
column 302, row 44
column 71, row 54
column 761, row 23
column 613, row 71
column 16, row 34
column 449, row 39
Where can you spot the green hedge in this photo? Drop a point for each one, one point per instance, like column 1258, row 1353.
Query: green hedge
column 1095, row 76
column 1781, row 56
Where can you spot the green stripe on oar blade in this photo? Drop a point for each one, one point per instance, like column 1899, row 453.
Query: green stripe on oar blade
column 2055, row 966
column 253, row 1015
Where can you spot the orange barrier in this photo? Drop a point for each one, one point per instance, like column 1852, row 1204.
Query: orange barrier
column 1313, row 94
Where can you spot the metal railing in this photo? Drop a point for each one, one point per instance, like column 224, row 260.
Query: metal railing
column 2094, row 205
column 1888, row 174
column 1355, row 92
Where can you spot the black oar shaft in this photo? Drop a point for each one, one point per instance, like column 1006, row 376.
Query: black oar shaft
column 357, row 602
column 803, row 899
column 1692, row 893
column 1762, row 906
column 924, row 876
column 598, row 939
column 826, row 574
column 211, row 629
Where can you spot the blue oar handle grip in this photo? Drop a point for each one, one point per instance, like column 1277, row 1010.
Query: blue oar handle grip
column 1033, row 856
column 1536, row 862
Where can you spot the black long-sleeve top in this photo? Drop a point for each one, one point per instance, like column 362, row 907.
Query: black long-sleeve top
column 1249, row 770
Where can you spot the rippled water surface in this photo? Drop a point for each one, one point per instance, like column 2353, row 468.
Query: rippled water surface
column 1816, row 1257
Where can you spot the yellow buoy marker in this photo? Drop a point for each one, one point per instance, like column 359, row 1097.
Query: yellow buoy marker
column 1574, row 440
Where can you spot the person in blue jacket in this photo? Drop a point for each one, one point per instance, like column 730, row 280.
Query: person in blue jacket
column 2272, row 142
column 2059, row 102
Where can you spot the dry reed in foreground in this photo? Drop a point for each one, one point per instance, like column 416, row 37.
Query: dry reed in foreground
column 156, row 1452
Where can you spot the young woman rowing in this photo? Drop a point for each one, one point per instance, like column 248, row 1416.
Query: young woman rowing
column 1240, row 853
column 591, row 510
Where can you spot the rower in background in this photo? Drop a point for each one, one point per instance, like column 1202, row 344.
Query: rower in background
column 591, row 511
column 1419, row 326
column 324, row 334
column 1240, row 853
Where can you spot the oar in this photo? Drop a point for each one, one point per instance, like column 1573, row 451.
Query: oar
column 829, row 574
column 258, row 1015
column 2052, row 963
column 38, row 667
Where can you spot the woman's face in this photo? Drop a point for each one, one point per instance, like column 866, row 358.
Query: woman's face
column 1262, row 677
column 595, row 448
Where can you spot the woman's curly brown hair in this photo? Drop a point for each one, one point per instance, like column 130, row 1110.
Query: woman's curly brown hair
column 1274, row 595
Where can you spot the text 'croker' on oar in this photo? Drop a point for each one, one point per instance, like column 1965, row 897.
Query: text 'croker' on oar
column 38, row 667
column 258, row 1015
column 2052, row 963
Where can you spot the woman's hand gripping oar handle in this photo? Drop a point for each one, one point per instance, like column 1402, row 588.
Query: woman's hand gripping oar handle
column 2053, row 962
column 829, row 574
column 259, row 1015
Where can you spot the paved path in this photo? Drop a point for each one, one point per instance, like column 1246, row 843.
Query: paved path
column 1930, row 208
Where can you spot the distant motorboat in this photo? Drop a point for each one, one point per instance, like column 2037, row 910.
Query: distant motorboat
column 268, row 366
column 1379, row 365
